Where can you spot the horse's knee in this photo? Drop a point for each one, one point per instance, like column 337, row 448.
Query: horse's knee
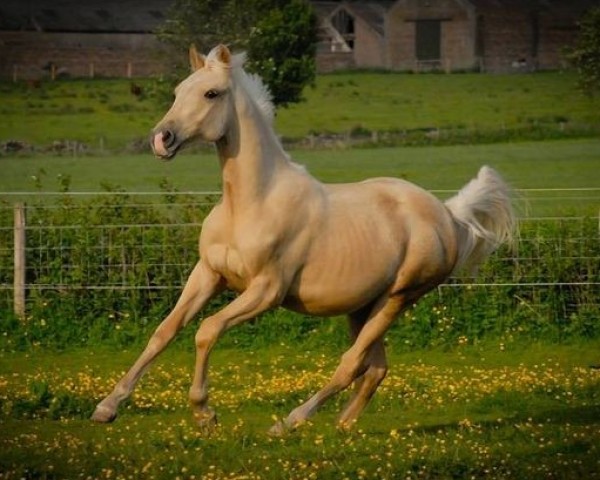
column 207, row 335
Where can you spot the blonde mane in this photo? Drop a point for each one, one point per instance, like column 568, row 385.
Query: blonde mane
column 254, row 86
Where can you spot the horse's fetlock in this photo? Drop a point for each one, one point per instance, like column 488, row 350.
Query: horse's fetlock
column 198, row 397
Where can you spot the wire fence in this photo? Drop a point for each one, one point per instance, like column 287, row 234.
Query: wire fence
column 142, row 245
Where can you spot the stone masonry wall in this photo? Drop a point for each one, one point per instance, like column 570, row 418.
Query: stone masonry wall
column 29, row 55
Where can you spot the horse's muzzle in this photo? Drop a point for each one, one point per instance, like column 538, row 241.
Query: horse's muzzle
column 164, row 144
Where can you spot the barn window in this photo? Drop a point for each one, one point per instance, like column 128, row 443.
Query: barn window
column 428, row 40
column 343, row 22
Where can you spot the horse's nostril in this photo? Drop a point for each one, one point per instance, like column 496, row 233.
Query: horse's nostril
column 168, row 138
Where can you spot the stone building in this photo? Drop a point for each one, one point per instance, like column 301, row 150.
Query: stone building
column 116, row 37
column 109, row 38
column 448, row 35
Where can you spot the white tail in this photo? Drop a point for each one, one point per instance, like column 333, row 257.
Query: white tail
column 483, row 211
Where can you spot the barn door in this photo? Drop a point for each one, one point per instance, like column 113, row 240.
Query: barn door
column 428, row 40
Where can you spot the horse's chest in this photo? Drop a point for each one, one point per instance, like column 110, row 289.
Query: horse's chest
column 228, row 262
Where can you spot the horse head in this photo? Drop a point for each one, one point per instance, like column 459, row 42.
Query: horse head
column 202, row 105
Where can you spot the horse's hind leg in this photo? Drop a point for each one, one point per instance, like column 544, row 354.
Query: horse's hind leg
column 375, row 366
column 352, row 365
column 202, row 285
column 366, row 384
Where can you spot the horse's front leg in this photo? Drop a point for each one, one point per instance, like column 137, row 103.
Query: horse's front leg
column 203, row 283
column 262, row 294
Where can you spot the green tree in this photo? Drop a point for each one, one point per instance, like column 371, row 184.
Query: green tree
column 585, row 55
column 278, row 35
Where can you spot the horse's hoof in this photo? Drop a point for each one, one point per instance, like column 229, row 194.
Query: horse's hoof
column 346, row 425
column 288, row 425
column 278, row 430
column 206, row 421
column 103, row 415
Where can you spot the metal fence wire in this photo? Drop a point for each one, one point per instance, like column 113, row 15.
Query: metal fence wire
column 125, row 251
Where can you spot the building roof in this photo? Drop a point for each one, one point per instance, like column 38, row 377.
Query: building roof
column 147, row 15
column 83, row 15
column 571, row 8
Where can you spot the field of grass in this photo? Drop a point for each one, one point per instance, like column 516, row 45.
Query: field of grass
column 400, row 101
column 478, row 407
column 482, row 411
column 526, row 165
column 105, row 115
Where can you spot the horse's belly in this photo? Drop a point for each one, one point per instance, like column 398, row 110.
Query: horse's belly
column 329, row 294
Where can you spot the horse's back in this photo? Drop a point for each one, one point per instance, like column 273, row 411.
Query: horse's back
column 369, row 235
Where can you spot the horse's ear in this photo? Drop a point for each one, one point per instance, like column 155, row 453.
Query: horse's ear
column 221, row 54
column 196, row 59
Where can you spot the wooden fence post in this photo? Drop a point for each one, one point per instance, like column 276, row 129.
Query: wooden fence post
column 19, row 274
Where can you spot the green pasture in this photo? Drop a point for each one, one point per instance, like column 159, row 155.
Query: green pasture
column 104, row 114
column 483, row 411
column 484, row 399
column 506, row 388
column 525, row 165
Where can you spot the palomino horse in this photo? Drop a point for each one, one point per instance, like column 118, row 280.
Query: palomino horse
column 280, row 237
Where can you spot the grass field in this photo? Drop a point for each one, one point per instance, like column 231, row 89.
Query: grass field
column 482, row 411
column 104, row 114
column 526, row 165
column 481, row 408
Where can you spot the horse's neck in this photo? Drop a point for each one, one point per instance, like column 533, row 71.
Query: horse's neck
column 251, row 158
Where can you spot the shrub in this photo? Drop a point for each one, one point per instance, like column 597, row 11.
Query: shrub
column 108, row 269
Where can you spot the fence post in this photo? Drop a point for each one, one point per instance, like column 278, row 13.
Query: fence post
column 19, row 273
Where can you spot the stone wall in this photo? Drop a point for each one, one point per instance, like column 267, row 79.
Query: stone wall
column 369, row 46
column 555, row 35
column 30, row 55
column 506, row 41
column 522, row 40
column 332, row 61
column 457, row 34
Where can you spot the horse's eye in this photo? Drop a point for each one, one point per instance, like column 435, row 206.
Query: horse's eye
column 210, row 94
